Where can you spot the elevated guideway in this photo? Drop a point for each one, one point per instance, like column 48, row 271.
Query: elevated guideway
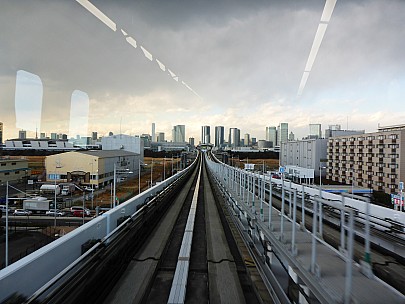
column 293, row 253
column 49, row 264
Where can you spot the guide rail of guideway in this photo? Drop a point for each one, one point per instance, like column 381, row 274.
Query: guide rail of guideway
column 194, row 264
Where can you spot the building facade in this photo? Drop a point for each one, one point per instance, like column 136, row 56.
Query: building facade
column 13, row 170
column 315, row 131
column 282, row 133
column 219, row 136
column 271, row 135
column 123, row 142
column 372, row 160
column 234, row 138
column 246, row 141
column 205, row 135
column 179, row 134
column 306, row 153
column 93, row 168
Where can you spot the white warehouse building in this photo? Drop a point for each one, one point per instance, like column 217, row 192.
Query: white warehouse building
column 124, row 142
column 306, row 153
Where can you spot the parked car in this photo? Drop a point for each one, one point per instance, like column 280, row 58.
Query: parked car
column 3, row 209
column 79, row 213
column 58, row 213
column 22, row 212
column 80, row 208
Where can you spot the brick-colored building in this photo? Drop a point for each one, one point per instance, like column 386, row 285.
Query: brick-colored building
column 374, row 160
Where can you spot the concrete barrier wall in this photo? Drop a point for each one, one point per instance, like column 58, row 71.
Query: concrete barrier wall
column 31, row 272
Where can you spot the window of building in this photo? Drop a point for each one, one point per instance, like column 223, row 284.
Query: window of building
column 6, row 173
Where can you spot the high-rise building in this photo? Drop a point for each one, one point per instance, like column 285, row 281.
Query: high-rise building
column 234, row 137
column 179, row 133
column 271, row 135
column 22, row 134
column 282, row 133
column 205, row 135
column 153, row 132
column 219, row 136
column 291, row 137
column 42, row 135
column 246, row 141
column 191, row 141
column 315, row 131
column 1, row 132
column 160, row 137
column 254, row 141
column 94, row 135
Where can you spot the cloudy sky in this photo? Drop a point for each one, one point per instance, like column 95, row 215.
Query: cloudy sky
column 230, row 63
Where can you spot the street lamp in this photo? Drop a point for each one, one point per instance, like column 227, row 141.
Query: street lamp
column 115, row 179
column 139, row 175
column 57, row 166
column 320, row 180
column 151, row 174
column 164, row 168
column 6, row 262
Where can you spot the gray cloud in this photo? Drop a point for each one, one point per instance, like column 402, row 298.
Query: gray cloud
column 245, row 59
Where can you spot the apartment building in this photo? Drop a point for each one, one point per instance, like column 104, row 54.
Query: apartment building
column 373, row 160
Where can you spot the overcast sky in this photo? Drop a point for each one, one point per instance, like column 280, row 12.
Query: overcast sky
column 241, row 62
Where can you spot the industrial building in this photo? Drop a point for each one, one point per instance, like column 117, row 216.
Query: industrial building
column 39, row 145
column 306, row 153
column 13, row 170
column 123, row 142
column 93, row 168
column 372, row 160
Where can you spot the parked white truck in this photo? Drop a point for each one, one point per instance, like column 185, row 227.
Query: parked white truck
column 50, row 188
column 37, row 204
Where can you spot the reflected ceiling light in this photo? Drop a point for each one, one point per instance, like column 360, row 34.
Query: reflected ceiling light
column 107, row 21
column 328, row 10
column 97, row 13
column 315, row 46
column 320, row 33
column 161, row 65
column 28, row 100
column 131, row 41
column 171, row 73
column 146, row 53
